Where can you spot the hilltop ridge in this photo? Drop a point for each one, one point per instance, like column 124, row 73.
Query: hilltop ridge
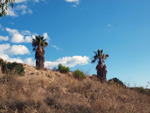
column 46, row 91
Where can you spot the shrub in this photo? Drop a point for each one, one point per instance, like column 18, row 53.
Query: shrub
column 116, row 81
column 63, row 69
column 79, row 74
column 12, row 68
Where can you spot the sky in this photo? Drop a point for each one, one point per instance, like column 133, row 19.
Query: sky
column 76, row 28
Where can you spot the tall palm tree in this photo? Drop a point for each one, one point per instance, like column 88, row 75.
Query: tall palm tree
column 101, row 67
column 39, row 43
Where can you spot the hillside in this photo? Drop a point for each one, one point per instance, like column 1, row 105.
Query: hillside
column 40, row 91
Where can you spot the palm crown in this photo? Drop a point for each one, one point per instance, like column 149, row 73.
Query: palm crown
column 99, row 55
column 39, row 42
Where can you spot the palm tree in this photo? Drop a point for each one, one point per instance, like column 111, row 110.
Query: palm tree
column 39, row 43
column 101, row 67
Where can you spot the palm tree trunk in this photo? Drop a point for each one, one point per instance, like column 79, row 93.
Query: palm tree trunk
column 40, row 58
column 101, row 71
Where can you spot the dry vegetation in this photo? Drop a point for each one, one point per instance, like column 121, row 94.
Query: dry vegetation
column 53, row 92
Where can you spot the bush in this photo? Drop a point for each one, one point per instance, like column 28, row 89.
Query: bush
column 116, row 81
column 63, row 69
column 79, row 74
column 12, row 68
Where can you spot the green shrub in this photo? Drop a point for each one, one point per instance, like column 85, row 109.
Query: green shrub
column 12, row 68
column 116, row 81
column 63, row 69
column 79, row 74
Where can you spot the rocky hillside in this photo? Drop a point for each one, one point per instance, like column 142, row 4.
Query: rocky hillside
column 45, row 91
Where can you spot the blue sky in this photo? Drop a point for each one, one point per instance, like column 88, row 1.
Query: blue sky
column 76, row 28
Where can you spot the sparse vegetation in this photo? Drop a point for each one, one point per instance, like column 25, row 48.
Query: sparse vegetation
column 116, row 81
column 65, row 94
column 63, row 69
column 12, row 68
column 79, row 74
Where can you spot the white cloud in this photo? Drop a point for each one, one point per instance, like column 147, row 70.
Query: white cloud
column 18, row 50
column 4, row 47
column 20, row 1
column 68, row 61
column 7, row 50
column 4, row 38
column 16, row 36
column 28, row 39
column 76, row 2
column 19, row 9
column 7, row 58
column 46, row 36
column 24, row 36
column 13, row 50
column 19, row 37
column 29, row 61
column 72, row 0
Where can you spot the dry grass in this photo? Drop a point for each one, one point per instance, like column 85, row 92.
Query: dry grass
column 53, row 92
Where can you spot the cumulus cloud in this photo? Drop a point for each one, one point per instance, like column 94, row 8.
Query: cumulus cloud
column 4, row 47
column 29, row 61
column 28, row 39
column 24, row 36
column 16, row 36
column 18, row 50
column 7, row 58
column 13, row 50
column 19, row 37
column 68, row 61
column 4, row 38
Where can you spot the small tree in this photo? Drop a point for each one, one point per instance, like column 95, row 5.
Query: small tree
column 4, row 6
column 101, row 67
column 79, row 74
column 63, row 69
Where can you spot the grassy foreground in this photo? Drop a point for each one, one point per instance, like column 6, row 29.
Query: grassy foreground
column 54, row 92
